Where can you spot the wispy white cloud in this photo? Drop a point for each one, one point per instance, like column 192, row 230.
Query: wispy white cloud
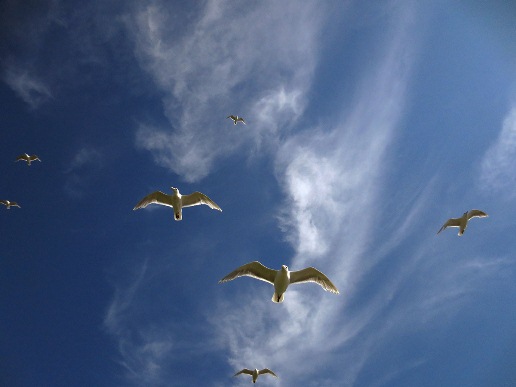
column 332, row 179
column 224, row 62
column 218, row 65
column 80, row 170
column 499, row 162
column 85, row 156
column 153, row 319
column 143, row 348
column 27, row 86
column 24, row 30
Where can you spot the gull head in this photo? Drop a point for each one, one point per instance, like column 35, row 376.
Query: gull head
column 175, row 190
column 284, row 267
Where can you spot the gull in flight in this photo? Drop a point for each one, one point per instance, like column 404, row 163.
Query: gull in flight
column 9, row 204
column 177, row 201
column 281, row 278
column 29, row 159
column 236, row 119
column 254, row 373
column 462, row 222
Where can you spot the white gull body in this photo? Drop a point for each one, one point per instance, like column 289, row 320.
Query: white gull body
column 177, row 201
column 282, row 278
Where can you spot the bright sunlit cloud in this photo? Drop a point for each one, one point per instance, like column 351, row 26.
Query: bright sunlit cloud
column 332, row 179
column 225, row 65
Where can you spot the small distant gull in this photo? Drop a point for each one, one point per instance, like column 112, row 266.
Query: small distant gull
column 28, row 158
column 462, row 222
column 282, row 278
column 177, row 201
column 254, row 373
column 9, row 204
column 236, row 119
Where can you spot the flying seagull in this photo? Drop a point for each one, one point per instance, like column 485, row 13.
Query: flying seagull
column 177, row 201
column 29, row 159
column 236, row 119
column 462, row 222
column 255, row 373
column 9, row 204
column 282, row 278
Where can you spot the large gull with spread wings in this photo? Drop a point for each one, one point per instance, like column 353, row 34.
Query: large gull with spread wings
column 9, row 204
column 462, row 222
column 177, row 201
column 255, row 373
column 236, row 119
column 27, row 158
column 282, row 278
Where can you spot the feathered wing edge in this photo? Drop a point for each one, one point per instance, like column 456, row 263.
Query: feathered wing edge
column 196, row 198
column 244, row 371
column 476, row 214
column 266, row 371
column 311, row 274
column 452, row 222
column 253, row 269
column 157, row 197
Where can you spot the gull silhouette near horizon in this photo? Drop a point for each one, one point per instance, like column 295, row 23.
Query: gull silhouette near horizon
column 281, row 278
column 255, row 373
column 28, row 158
column 236, row 119
column 462, row 222
column 177, row 201
column 9, row 204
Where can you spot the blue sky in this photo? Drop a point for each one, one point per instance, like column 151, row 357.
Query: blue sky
column 368, row 126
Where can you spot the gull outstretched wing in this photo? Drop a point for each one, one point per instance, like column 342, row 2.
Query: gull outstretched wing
column 244, row 371
column 196, row 198
column 157, row 197
column 452, row 222
column 311, row 274
column 266, row 371
column 476, row 214
column 253, row 269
